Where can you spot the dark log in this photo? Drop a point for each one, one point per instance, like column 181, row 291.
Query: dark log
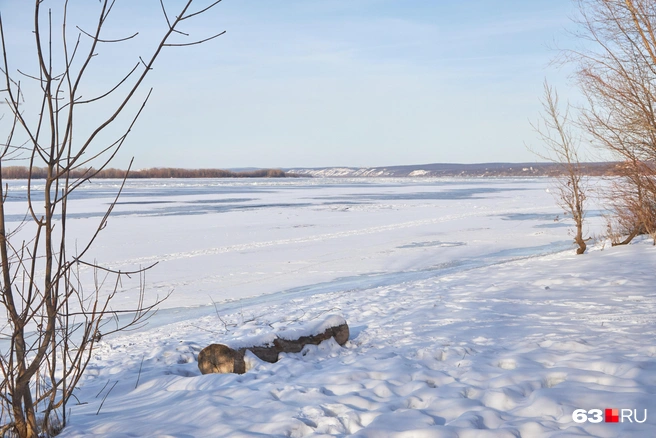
column 219, row 358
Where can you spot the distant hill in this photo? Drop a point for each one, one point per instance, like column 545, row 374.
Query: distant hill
column 418, row 170
column 452, row 170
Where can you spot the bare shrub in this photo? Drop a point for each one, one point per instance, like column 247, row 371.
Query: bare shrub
column 56, row 300
column 616, row 72
column 561, row 148
column 632, row 201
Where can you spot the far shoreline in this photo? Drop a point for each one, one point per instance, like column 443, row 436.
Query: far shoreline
column 435, row 170
column 22, row 172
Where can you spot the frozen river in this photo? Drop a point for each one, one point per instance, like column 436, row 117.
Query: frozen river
column 239, row 242
column 470, row 314
column 229, row 239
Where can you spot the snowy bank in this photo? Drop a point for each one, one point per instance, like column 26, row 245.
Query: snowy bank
column 506, row 349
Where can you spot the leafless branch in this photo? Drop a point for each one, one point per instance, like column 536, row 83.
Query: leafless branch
column 195, row 42
column 118, row 40
column 56, row 313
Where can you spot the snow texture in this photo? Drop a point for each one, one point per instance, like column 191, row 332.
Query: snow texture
column 470, row 314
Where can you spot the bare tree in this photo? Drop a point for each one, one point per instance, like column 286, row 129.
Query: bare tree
column 54, row 316
column 562, row 148
column 630, row 199
column 616, row 72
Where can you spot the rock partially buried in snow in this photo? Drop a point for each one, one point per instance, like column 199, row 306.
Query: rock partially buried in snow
column 219, row 358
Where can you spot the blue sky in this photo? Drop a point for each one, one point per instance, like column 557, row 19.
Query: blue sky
column 334, row 82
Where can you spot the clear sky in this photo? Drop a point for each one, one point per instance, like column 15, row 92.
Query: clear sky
column 317, row 83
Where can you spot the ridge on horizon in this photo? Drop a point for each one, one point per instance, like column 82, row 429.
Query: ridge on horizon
column 490, row 163
column 407, row 170
column 456, row 169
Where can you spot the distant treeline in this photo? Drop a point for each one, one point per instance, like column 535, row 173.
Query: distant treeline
column 22, row 172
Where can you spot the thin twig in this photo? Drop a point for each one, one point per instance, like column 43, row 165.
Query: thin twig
column 103, row 388
column 105, row 397
column 139, row 375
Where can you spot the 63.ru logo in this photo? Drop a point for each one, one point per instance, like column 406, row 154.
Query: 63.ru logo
column 608, row 415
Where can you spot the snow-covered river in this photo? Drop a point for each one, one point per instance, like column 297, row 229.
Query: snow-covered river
column 470, row 314
column 228, row 239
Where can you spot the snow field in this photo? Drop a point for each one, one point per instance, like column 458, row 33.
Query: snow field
column 217, row 240
column 470, row 315
column 503, row 350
